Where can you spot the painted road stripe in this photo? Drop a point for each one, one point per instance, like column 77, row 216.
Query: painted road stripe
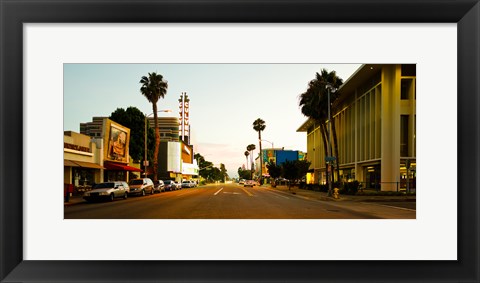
column 279, row 195
column 218, row 191
column 248, row 193
column 391, row 206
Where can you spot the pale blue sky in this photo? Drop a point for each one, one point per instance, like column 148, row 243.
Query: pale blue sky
column 225, row 99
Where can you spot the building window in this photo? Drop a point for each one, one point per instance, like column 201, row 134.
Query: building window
column 406, row 88
column 409, row 70
column 404, row 135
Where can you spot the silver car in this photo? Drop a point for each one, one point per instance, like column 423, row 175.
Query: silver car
column 141, row 186
column 159, row 186
column 106, row 191
column 170, row 185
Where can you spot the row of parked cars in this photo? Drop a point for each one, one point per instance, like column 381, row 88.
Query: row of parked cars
column 140, row 186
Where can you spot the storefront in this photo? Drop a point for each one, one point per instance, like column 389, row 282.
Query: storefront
column 82, row 162
column 116, row 153
column 120, row 172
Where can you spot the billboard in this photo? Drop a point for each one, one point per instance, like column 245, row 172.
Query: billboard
column 284, row 155
column 116, row 142
column 174, row 157
column 268, row 155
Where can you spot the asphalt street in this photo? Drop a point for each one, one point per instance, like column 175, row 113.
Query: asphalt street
column 233, row 201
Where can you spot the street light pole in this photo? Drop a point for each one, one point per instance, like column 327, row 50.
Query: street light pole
column 145, row 162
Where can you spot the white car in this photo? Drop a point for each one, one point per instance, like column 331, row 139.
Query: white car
column 106, row 190
column 186, row 184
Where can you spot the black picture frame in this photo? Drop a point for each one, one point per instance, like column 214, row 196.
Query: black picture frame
column 466, row 13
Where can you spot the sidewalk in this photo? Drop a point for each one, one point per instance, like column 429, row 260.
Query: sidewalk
column 323, row 195
column 73, row 200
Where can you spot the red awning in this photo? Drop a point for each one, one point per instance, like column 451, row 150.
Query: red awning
column 120, row 167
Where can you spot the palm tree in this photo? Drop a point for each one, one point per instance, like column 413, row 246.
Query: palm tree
column 251, row 148
column 259, row 126
column 314, row 104
column 153, row 88
column 247, row 153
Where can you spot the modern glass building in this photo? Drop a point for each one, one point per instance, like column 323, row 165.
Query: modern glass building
column 375, row 120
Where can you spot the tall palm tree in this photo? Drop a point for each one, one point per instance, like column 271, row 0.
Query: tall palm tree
column 314, row 104
column 259, row 126
column 247, row 153
column 251, row 148
column 153, row 88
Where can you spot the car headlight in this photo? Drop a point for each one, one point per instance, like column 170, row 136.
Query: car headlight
column 104, row 193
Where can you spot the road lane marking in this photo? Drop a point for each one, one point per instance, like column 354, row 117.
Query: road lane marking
column 279, row 195
column 247, row 192
column 391, row 206
column 218, row 191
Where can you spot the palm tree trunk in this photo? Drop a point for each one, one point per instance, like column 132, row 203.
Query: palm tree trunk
column 157, row 143
column 325, row 149
column 261, row 159
column 334, row 132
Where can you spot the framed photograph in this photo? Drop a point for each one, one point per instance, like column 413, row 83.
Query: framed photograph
column 445, row 39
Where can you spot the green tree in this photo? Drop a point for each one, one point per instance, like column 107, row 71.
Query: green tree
column 243, row 173
column 134, row 119
column 259, row 126
column 153, row 88
column 294, row 170
column 274, row 171
column 223, row 172
column 314, row 104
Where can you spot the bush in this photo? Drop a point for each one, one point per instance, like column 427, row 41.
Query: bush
column 350, row 188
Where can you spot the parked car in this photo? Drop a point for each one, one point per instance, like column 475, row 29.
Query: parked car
column 126, row 186
column 179, row 185
column 158, row 186
column 188, row 184
column 169, row 185
column 249, row 183
column 241, row 182
column 141, row 186
column 106, row 191
column 194, row 183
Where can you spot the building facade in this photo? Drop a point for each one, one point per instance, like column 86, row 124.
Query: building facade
column 113, row 141
column 82, row 162
column 175, row 156
column 93, row 129
column 375, row 120
column 278, row 156
column 168, row 128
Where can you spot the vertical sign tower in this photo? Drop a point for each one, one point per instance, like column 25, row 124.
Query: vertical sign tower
column 184, row 105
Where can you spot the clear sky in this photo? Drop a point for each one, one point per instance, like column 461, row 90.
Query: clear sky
column 225, row 99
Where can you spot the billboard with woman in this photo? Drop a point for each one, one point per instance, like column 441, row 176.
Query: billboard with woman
column 117, row 140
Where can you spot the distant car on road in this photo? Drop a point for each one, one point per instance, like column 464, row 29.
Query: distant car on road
column 141, row 186
column 169, row 185
column 106, row 191
column 249, row 183
column 158, row 186
column 241, row 182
